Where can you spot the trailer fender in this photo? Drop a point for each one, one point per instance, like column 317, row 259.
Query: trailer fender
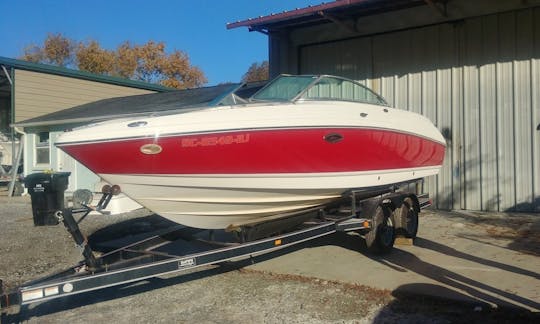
column 416, row 202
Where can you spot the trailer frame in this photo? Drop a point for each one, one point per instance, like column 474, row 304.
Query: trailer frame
column 160, row 255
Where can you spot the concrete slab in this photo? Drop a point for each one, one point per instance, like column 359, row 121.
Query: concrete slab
column 485, row 258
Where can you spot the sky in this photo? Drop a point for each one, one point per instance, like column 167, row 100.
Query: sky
column 196, row 27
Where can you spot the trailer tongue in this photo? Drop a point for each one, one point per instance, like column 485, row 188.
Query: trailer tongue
column 378, row 216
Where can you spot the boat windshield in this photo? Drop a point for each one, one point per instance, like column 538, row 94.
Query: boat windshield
column 284, row 88
column 325, row 87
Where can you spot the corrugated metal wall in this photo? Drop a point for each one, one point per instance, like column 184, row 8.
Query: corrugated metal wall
column 478, row 80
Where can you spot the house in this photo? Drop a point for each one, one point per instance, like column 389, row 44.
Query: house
column 472, row 67
column 30, row 90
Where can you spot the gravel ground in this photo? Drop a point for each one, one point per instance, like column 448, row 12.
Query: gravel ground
column 226, row 294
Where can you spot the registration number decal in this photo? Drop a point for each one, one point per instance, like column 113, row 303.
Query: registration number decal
column 215, row 140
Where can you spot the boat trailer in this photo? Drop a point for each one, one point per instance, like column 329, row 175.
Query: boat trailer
column 379, row 216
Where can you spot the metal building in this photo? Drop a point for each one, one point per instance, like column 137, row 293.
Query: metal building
column 472, row 67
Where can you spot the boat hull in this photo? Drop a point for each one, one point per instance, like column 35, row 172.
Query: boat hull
column 275, row 151
column 218, row 201
column 221, row 166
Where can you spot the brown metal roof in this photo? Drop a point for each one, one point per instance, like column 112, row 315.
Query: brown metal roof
column 325, row 12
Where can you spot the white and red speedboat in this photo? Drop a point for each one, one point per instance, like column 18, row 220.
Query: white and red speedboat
column 299, row 142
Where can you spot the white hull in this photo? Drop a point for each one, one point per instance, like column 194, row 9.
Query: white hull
column 214, row 201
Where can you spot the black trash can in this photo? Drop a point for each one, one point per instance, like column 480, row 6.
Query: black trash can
column 47, row 193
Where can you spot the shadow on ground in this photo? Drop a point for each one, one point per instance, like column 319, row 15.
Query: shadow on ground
column 407, row 297
column 128, row 230
column 522, row 230
column 403, row 261
column 414, row 299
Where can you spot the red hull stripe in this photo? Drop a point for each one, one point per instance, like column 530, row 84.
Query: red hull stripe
column 261, row 151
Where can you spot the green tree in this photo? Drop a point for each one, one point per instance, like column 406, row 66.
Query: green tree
column 257, row 72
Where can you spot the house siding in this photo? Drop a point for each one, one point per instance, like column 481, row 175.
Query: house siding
column 39, row 93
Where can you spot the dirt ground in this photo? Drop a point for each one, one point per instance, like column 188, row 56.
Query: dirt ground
column 230, row 293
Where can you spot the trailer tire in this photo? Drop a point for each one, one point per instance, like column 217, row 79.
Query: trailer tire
column 380, row 239
column 406, row 218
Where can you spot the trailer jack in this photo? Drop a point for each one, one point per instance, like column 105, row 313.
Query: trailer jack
column 66, row 217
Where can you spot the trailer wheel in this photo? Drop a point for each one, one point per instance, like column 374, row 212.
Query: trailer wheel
column 406, row 218
column 380, row 239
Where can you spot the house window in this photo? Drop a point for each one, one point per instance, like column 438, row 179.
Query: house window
column 42, row 149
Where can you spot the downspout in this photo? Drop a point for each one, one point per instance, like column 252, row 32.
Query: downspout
column 8, row 76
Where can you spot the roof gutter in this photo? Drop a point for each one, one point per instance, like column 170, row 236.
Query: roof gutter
column 272, row 18
column 7, row 75
column 56, row 70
